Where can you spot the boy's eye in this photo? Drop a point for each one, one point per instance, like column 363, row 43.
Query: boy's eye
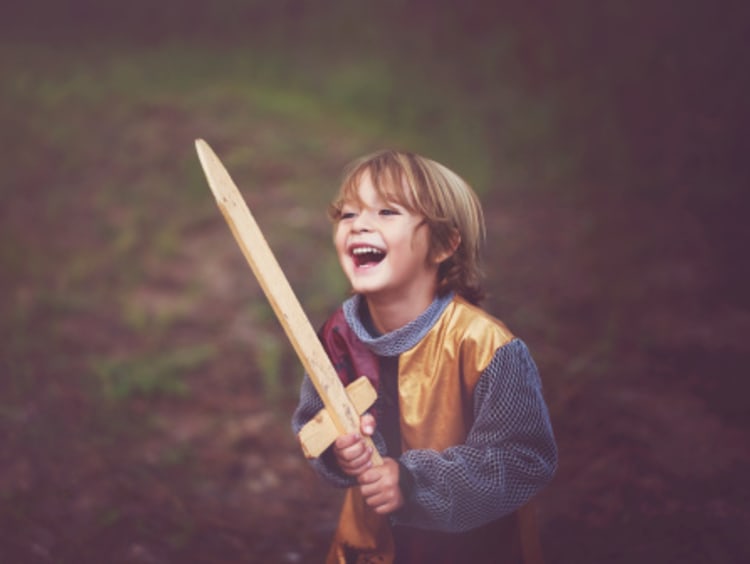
column 388, row 211
column 347, row 215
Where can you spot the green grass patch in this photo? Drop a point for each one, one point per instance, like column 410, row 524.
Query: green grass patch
column 376, row 98
column 269, row 352
column 155, row 374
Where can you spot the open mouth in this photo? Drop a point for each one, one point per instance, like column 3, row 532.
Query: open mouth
column 367, row 256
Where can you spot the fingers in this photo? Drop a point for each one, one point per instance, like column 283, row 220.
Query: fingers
column 353, row 455
column 379, row 486
column 367, row 424
column 346, row 441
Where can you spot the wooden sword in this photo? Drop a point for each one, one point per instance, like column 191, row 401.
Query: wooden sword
column 342, row 405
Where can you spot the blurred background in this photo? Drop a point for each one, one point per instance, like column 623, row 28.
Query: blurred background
column 146, row 387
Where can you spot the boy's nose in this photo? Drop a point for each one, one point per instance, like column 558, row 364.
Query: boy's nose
column 362, row 222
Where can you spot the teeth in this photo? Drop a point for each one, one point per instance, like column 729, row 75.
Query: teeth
column 365, row 250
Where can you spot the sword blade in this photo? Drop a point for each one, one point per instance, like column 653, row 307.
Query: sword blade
column 279, row 293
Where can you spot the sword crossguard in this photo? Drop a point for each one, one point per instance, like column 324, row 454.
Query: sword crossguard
column 320, row 432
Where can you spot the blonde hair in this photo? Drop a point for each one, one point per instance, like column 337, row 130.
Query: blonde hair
column 450, row 207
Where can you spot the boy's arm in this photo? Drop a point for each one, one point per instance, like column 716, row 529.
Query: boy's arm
column 509, row 454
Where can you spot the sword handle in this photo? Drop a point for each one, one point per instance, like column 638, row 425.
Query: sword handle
column 377, row 460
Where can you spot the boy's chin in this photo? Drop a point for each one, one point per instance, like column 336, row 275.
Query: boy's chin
column 363, row 287
column 362, row 276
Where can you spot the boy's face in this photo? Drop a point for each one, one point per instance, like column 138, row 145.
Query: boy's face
column 383, row 248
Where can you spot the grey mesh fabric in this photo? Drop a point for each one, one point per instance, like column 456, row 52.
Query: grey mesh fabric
column 509, row 453
column 400, row 340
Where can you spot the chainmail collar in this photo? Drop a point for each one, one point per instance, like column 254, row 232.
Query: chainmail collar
column 400, row 340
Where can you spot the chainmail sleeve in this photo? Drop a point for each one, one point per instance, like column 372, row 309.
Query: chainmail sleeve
column 508, row 456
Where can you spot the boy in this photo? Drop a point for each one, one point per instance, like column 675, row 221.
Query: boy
column 460, row 418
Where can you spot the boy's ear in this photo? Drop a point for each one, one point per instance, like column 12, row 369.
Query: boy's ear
column 447, row 252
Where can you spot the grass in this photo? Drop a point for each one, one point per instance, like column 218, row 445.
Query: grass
column 161, row 373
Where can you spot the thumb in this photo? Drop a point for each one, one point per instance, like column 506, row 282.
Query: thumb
column 367, row 425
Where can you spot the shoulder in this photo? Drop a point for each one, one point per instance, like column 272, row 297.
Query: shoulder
column 334, row 323
column 470, row 323
column 336, row 335
column 472, row 336
column 349, row 356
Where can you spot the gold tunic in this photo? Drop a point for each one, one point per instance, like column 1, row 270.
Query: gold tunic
column 436, row 381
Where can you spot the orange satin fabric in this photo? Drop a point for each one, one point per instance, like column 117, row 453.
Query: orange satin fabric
column 436, row 381
column 437, row 377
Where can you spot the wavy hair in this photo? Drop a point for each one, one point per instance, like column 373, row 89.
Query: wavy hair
column 448, row 204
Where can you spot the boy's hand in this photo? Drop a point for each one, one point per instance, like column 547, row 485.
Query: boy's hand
column 379, row 487
column 378, row 484
column 352, row 453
